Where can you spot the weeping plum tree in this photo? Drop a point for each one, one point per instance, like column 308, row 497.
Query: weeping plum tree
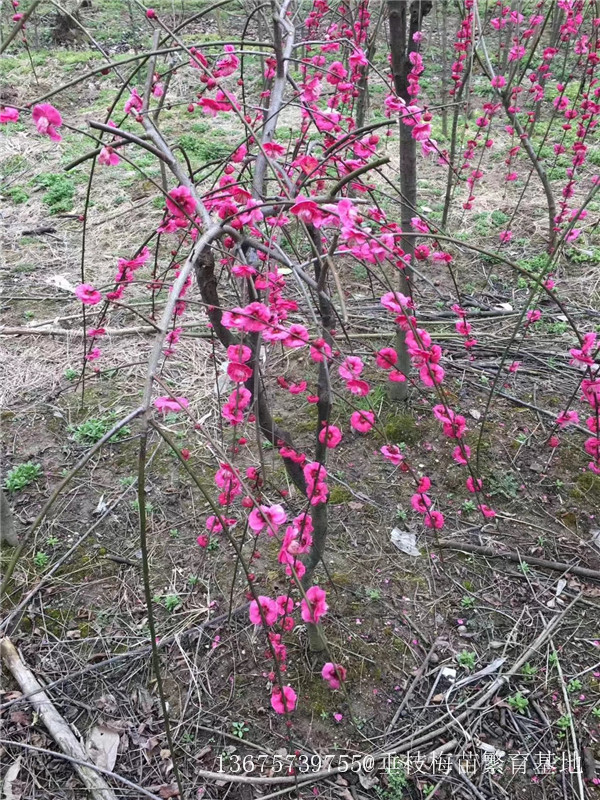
column 268, row 232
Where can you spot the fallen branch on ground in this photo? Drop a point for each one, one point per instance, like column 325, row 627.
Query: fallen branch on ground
column 76, row 761
column 55, row 724
column 557, row 566
column 142, row 329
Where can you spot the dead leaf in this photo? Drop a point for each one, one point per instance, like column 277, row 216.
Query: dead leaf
column 61, row 283
column 102, row 745
column 20, row 718
column 168, row 790
column 405, row 541
column 488, row 670
column 107, row 703
column 12, row 773
column 368, row 779
column 475, row 413
column 596, row 537
column 559, row 588
column 143, row 700
column 101, row 507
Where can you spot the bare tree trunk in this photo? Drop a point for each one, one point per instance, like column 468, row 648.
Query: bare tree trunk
column 8, row 534
column 405, row 19
column 362, row 104
column 453, row 148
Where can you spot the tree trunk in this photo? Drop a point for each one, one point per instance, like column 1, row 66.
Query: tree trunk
column 405, row 19
column 8, row 534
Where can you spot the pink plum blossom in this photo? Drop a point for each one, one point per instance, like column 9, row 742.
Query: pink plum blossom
column 87, row 294
column 362, row 421
column 314, row 607
column 334, row 674
column 47, row 119
column 172, row 404
column 269, row 517
column 269, row 610
column 283, row 701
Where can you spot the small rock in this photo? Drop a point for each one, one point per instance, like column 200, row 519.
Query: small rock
column 462, row 629
column 536, row 466
column 437, row 699
column 434, row 658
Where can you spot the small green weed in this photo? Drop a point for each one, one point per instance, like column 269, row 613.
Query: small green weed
column 505, row 484
column 92, row 430
column 396, row 785
column 467, row 659
column 239, row 729
column 60, row 192
column 22, row 475
column 172, row 602
column 518, row 703
column 17, row 195
column 41, row 559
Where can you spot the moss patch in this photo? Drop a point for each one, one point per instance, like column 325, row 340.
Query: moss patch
column 401, row 427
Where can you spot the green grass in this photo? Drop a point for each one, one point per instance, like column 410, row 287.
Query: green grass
column 92, row 430
column 13, row 164
column 71, row 59
column 17, row 195
column 60, row 192
column 204, row 148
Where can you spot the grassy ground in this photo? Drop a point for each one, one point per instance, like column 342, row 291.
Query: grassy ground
column 387, row 609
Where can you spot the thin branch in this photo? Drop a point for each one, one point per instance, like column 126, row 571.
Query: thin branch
column 19, row 25
column 56, row 726
column 130, row 137
column 557, row 566
column 62, row 485
column 80, row 763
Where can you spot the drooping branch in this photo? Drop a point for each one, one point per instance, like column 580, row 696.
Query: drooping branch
column 20, row 24
column 538, row 167
column 536, row 163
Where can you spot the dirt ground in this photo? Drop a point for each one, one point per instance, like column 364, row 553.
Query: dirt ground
column 400, row 624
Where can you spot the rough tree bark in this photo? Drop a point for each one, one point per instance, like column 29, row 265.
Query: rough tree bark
column 405, row 19
column 8, row 534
